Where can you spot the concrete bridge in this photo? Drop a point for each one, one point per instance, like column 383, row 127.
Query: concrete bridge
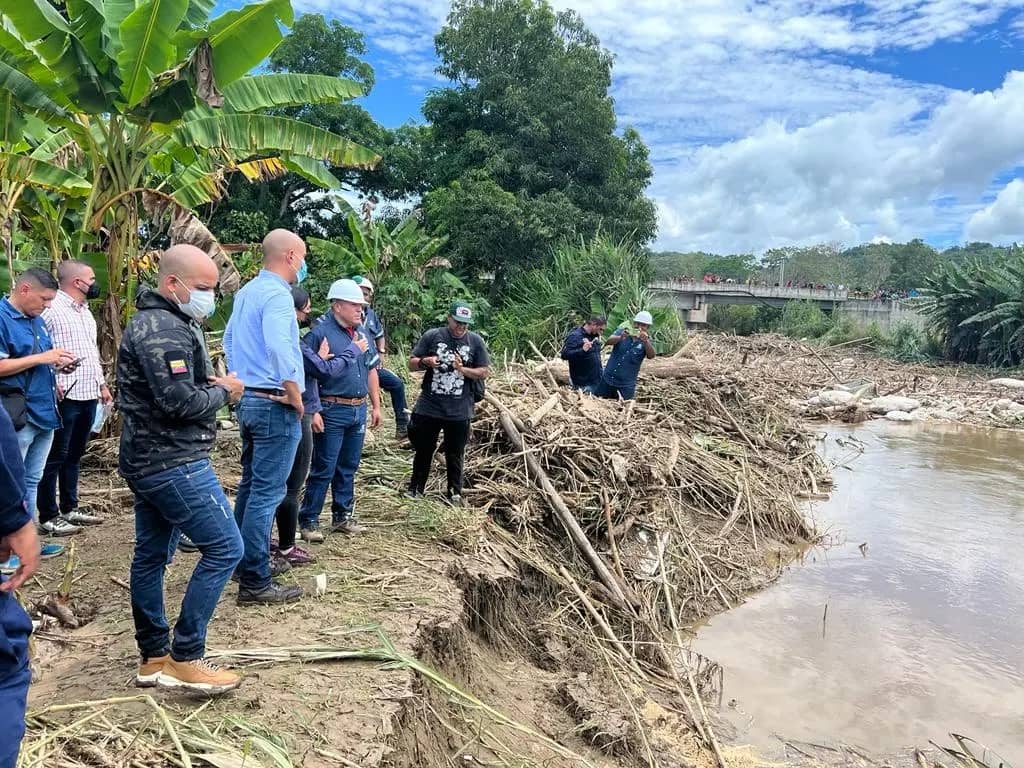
column 692, row 299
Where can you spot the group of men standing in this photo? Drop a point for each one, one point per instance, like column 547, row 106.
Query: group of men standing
column 616, row 378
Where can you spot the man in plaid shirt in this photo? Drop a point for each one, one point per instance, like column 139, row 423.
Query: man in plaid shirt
column 72, row 327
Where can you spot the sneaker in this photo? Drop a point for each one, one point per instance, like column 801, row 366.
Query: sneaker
column 59, row 526
column 185, row 544
column 78, row 517
column 46, row 551
column 312, row 535
column 9, row 566
column 413, row 493
column 298, row 556
column 272, row 593
column 455, row 500
column 349, row 527
column 149, row 671
column 279, row 564
column 197, row 675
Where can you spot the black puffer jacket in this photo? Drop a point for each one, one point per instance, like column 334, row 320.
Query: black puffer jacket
column 168, row 406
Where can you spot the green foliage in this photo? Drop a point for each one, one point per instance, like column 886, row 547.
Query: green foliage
column 524, row 145
column 976, row 310
column 696, row 264
column 803, row 320
column 413, row 286
column 599, row 276
column 905, row 342
column 739, row 319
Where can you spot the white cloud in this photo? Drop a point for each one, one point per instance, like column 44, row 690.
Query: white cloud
column 762, row 130
column 1002, row 221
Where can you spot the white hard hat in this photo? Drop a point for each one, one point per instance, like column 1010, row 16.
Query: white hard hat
column 346, row 290
column 644, row 317
column 363, row 282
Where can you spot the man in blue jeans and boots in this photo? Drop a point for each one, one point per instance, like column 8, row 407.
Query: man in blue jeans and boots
column 261, row 343
column 389, row 381
column 338, row 449
column 18, row 536
column 169, row 398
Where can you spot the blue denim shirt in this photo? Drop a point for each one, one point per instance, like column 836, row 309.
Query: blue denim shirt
column 623, row 365
column 261, row 341
column 21, row 336
column 352, row 368
column 373, row 323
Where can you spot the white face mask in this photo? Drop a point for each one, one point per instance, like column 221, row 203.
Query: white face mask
column 200, row 304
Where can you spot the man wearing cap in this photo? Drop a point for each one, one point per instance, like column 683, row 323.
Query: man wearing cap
column 343, row 395
column 454, row 359
column 261, row 343
column 389, row 382
column 582, row 348
column 628, row 353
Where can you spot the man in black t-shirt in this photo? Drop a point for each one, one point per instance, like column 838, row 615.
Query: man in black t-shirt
column 456, row 361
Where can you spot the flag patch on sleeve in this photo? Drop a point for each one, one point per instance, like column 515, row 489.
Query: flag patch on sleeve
column 177, row 363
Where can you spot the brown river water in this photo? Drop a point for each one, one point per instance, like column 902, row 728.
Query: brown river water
column 924, row 632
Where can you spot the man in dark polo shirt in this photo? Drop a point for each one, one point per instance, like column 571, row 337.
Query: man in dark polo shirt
column 343, row 396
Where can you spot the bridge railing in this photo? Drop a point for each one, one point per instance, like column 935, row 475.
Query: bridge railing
column 764, row 291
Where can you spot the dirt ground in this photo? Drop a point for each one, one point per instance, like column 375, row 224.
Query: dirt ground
column 430, row 607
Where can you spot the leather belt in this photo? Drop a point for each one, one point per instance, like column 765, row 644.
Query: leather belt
column 263, row 391
column 343, row 400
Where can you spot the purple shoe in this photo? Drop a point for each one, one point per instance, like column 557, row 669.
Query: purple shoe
column 299, row 556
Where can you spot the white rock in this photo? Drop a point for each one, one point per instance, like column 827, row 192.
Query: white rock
column 893, row 403
column 1002, row 404
column 899, row 416
column 1008, row 383
column 834, row 397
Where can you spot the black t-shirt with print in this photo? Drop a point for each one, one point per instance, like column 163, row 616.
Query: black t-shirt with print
column 446, row 393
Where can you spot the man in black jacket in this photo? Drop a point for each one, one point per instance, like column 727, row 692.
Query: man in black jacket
column 18, row 536
column 582, row 348
column 169, row 399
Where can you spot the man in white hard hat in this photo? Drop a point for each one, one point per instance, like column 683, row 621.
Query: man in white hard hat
column 338, row 449
column 629, row 350
column 389, row 382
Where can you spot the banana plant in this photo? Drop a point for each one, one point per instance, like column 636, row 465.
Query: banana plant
column 156, row 96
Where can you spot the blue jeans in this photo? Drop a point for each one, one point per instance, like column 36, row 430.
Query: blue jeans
column 394, row 386
column 187, row 498
column 615, row 391
column 65, row 459
column 336, row 454
column 15, row 677
column 270, row 435
column 35, row 448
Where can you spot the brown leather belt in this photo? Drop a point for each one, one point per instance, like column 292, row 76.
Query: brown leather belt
column 343, row 400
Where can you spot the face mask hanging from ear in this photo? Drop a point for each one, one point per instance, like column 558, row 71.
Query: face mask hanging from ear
column 302, row 273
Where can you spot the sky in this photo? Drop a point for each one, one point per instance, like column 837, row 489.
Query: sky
column 785, row 122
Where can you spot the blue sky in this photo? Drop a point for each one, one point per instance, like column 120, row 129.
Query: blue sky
column 780, row 122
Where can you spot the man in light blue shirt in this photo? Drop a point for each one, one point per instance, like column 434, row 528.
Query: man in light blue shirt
column 262, row 347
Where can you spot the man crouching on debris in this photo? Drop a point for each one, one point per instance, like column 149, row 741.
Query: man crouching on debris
column 582, row 348
column 628, row 353
column 17, row 536
column 169, row 401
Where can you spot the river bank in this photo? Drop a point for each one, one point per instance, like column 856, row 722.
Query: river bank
column 807, row 379
column 488, row 635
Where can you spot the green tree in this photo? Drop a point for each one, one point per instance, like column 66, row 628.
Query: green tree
column 155, row 97
column 524, row 146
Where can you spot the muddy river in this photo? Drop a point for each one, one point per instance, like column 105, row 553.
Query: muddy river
column 924, row 587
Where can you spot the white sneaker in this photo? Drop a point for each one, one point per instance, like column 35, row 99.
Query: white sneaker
column 78, row 517
column 59, row 526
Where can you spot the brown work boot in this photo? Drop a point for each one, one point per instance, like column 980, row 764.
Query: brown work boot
column 348, row 527
column 198, row 675
column 149, row 671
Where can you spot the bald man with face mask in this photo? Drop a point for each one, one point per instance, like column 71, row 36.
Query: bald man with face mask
column 169, row 398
